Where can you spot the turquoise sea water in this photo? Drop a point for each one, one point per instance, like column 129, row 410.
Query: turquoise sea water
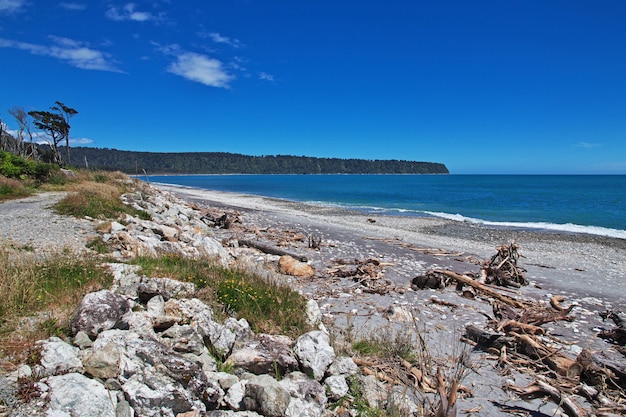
column 574, row 203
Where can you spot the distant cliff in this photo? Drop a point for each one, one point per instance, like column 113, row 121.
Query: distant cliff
column 228, row 163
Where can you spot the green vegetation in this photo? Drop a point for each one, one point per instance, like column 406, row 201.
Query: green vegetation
column 52, row 284
column 228, row 163
column 269, row 307
column 13, row 166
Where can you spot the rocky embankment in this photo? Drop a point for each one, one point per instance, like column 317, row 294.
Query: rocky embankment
column 147, row 347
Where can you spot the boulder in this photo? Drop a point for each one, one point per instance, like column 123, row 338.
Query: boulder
column 103, row 362
column 165, row 287
column 290, row 266
column 99, row 311
column 314, row 353
column 77, row 395
column 58, row 357
column 264, row 354
column 265, row 396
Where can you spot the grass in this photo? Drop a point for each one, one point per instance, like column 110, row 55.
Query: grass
column 48, row 287
column 97, row 195
column 269, row 307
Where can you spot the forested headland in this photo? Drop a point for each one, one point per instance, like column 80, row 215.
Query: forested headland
column 153, row 163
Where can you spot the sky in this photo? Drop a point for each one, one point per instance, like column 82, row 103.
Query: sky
column 482, row 86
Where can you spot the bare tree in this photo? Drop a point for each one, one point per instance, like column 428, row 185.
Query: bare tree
column 24, row 130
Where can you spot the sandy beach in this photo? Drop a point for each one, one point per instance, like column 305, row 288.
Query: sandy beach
column 586, row 270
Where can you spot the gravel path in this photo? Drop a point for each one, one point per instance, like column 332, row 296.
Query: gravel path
column 31, row 222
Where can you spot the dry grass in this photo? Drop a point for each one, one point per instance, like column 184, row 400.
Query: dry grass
column 11, row 189
column 39, row 294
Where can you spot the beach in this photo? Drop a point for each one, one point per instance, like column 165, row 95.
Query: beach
column 587, row 271
column 578, row 265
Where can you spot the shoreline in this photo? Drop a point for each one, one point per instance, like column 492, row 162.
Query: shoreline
column 580, row 265
column 523, row 226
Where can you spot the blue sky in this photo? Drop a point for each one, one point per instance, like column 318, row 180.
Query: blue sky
column 482, row 86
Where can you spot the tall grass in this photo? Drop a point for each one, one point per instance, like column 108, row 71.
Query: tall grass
column 52, row 284
column 269, row 306
column 98, row 197
column 11, row 189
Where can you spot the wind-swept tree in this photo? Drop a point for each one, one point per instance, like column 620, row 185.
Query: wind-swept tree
column 67, row 113
column 56, row 125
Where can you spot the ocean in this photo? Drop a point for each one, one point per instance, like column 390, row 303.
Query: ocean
column 594, row 204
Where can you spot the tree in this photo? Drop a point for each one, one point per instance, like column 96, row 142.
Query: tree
column 56, row 125
column 67, row 113
column 24, row 128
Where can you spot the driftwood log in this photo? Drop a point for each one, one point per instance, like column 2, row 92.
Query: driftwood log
column 464, row 279
column 541, row 388
column 271, row 249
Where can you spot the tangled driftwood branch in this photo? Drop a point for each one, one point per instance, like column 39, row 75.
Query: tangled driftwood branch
column 502, row 268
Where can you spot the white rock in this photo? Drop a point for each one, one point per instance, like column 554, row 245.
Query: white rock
column 77, row 395
column 58, row 356
column 314, row 353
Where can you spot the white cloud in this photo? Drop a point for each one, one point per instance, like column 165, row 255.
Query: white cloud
column 11, row 6
column 217, row 38
column 587, row 145
column 200, row 68
column 70, row 51
column 266, row 76
column 73, row 6
column 128, row 12
column 80, row 141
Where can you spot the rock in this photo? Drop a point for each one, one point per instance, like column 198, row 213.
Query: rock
column 290, row 266
column 82, row 340
column 168, row 233
column 265, row 396
column 308, row 397
column 153, row 394
column 58, row 357
column 116, row 227
column 374, row 391
column 265, row 354
column 184, row 339
column 314, row 353
column 222, row 337
column 313, row 313
column 104, row 362
column 343, row 365
column 165, row 287
column 155, row 306
column 99, row 311
column 77, row 395
column 235, row 395
column 336, row 387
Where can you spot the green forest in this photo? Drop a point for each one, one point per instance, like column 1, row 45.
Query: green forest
column 155, row 163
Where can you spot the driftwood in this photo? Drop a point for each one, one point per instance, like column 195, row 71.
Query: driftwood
column 502, row 268
column 272, row 250
column 617, row 334
column 541, row 388
column 430, row 280
column 464, row 279
column 552, row 358
column 225, row 221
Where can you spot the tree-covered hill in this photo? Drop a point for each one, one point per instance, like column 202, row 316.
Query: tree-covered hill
column 228, row 163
